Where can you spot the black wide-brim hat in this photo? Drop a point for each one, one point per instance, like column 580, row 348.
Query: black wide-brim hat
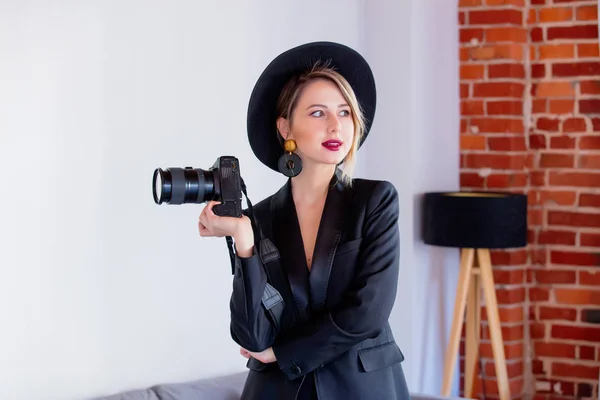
column 262, row 109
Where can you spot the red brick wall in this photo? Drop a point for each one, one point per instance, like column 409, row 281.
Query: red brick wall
column 530, row 122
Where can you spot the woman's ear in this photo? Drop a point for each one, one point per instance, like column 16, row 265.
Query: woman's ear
column 283, row 127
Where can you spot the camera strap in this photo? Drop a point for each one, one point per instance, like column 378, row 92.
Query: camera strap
column 271, row 300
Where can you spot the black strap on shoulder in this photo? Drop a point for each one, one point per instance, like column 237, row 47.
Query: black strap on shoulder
column 271, row 298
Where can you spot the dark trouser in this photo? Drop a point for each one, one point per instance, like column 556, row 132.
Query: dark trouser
column 308, row 391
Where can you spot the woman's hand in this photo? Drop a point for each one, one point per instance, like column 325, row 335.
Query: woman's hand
column 267, row 356
column 212, row 225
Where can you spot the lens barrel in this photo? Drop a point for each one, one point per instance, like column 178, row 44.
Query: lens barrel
column 182, row 185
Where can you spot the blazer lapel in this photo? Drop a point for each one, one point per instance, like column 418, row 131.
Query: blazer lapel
column 288, row 239
column 308, row 288
column 328, row 237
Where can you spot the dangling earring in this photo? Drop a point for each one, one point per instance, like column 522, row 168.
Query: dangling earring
column 289, row 163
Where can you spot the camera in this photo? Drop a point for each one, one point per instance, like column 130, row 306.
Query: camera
column 221, row 182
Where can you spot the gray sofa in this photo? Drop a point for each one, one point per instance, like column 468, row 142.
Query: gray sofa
column 227, row 387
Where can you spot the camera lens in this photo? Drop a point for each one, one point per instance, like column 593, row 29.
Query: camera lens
column 182, row 185
column 160, row 189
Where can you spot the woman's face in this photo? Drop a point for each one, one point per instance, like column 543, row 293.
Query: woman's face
column 321, row 124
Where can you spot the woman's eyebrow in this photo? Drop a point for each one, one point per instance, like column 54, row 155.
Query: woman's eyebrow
column 324, row 106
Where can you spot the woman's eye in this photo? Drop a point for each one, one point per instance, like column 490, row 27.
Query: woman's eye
column 345, row 113
column 317, row 113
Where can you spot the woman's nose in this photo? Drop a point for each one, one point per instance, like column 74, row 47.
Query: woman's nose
column 335, row 125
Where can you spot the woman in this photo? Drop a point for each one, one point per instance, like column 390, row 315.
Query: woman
column 336, row 240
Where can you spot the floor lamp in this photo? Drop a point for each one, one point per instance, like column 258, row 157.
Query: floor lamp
column 475, row 222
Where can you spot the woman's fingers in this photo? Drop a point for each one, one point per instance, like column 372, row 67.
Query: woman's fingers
column 204, row 219
column 203, row 230
column 244, row 352
column 208, row 221
column 209, row 209
column 202, row 224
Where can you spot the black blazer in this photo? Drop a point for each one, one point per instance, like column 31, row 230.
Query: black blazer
column 335, row 326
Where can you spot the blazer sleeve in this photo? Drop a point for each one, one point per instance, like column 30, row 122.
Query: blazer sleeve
column 366, row 306
column 250, row 325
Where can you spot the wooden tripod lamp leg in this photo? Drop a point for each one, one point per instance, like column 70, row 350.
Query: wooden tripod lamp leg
column 464, row 277
column 489, row 292
column 472, row 331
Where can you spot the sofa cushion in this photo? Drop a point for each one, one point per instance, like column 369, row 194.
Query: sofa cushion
column 220, row 388
column 142, row 394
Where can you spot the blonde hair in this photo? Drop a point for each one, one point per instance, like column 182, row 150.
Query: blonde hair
column 288, row 99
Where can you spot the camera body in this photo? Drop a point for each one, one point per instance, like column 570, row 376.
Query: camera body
column 228, row 187
column 221, row 182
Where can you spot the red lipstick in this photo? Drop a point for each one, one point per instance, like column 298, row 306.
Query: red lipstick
column 332, row 145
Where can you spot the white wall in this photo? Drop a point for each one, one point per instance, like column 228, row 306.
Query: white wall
column 101, row 290
column 414, row 51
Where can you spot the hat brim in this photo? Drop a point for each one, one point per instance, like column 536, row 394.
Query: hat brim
column 262, row 108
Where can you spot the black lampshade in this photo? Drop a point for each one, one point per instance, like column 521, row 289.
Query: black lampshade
column 475, row 219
